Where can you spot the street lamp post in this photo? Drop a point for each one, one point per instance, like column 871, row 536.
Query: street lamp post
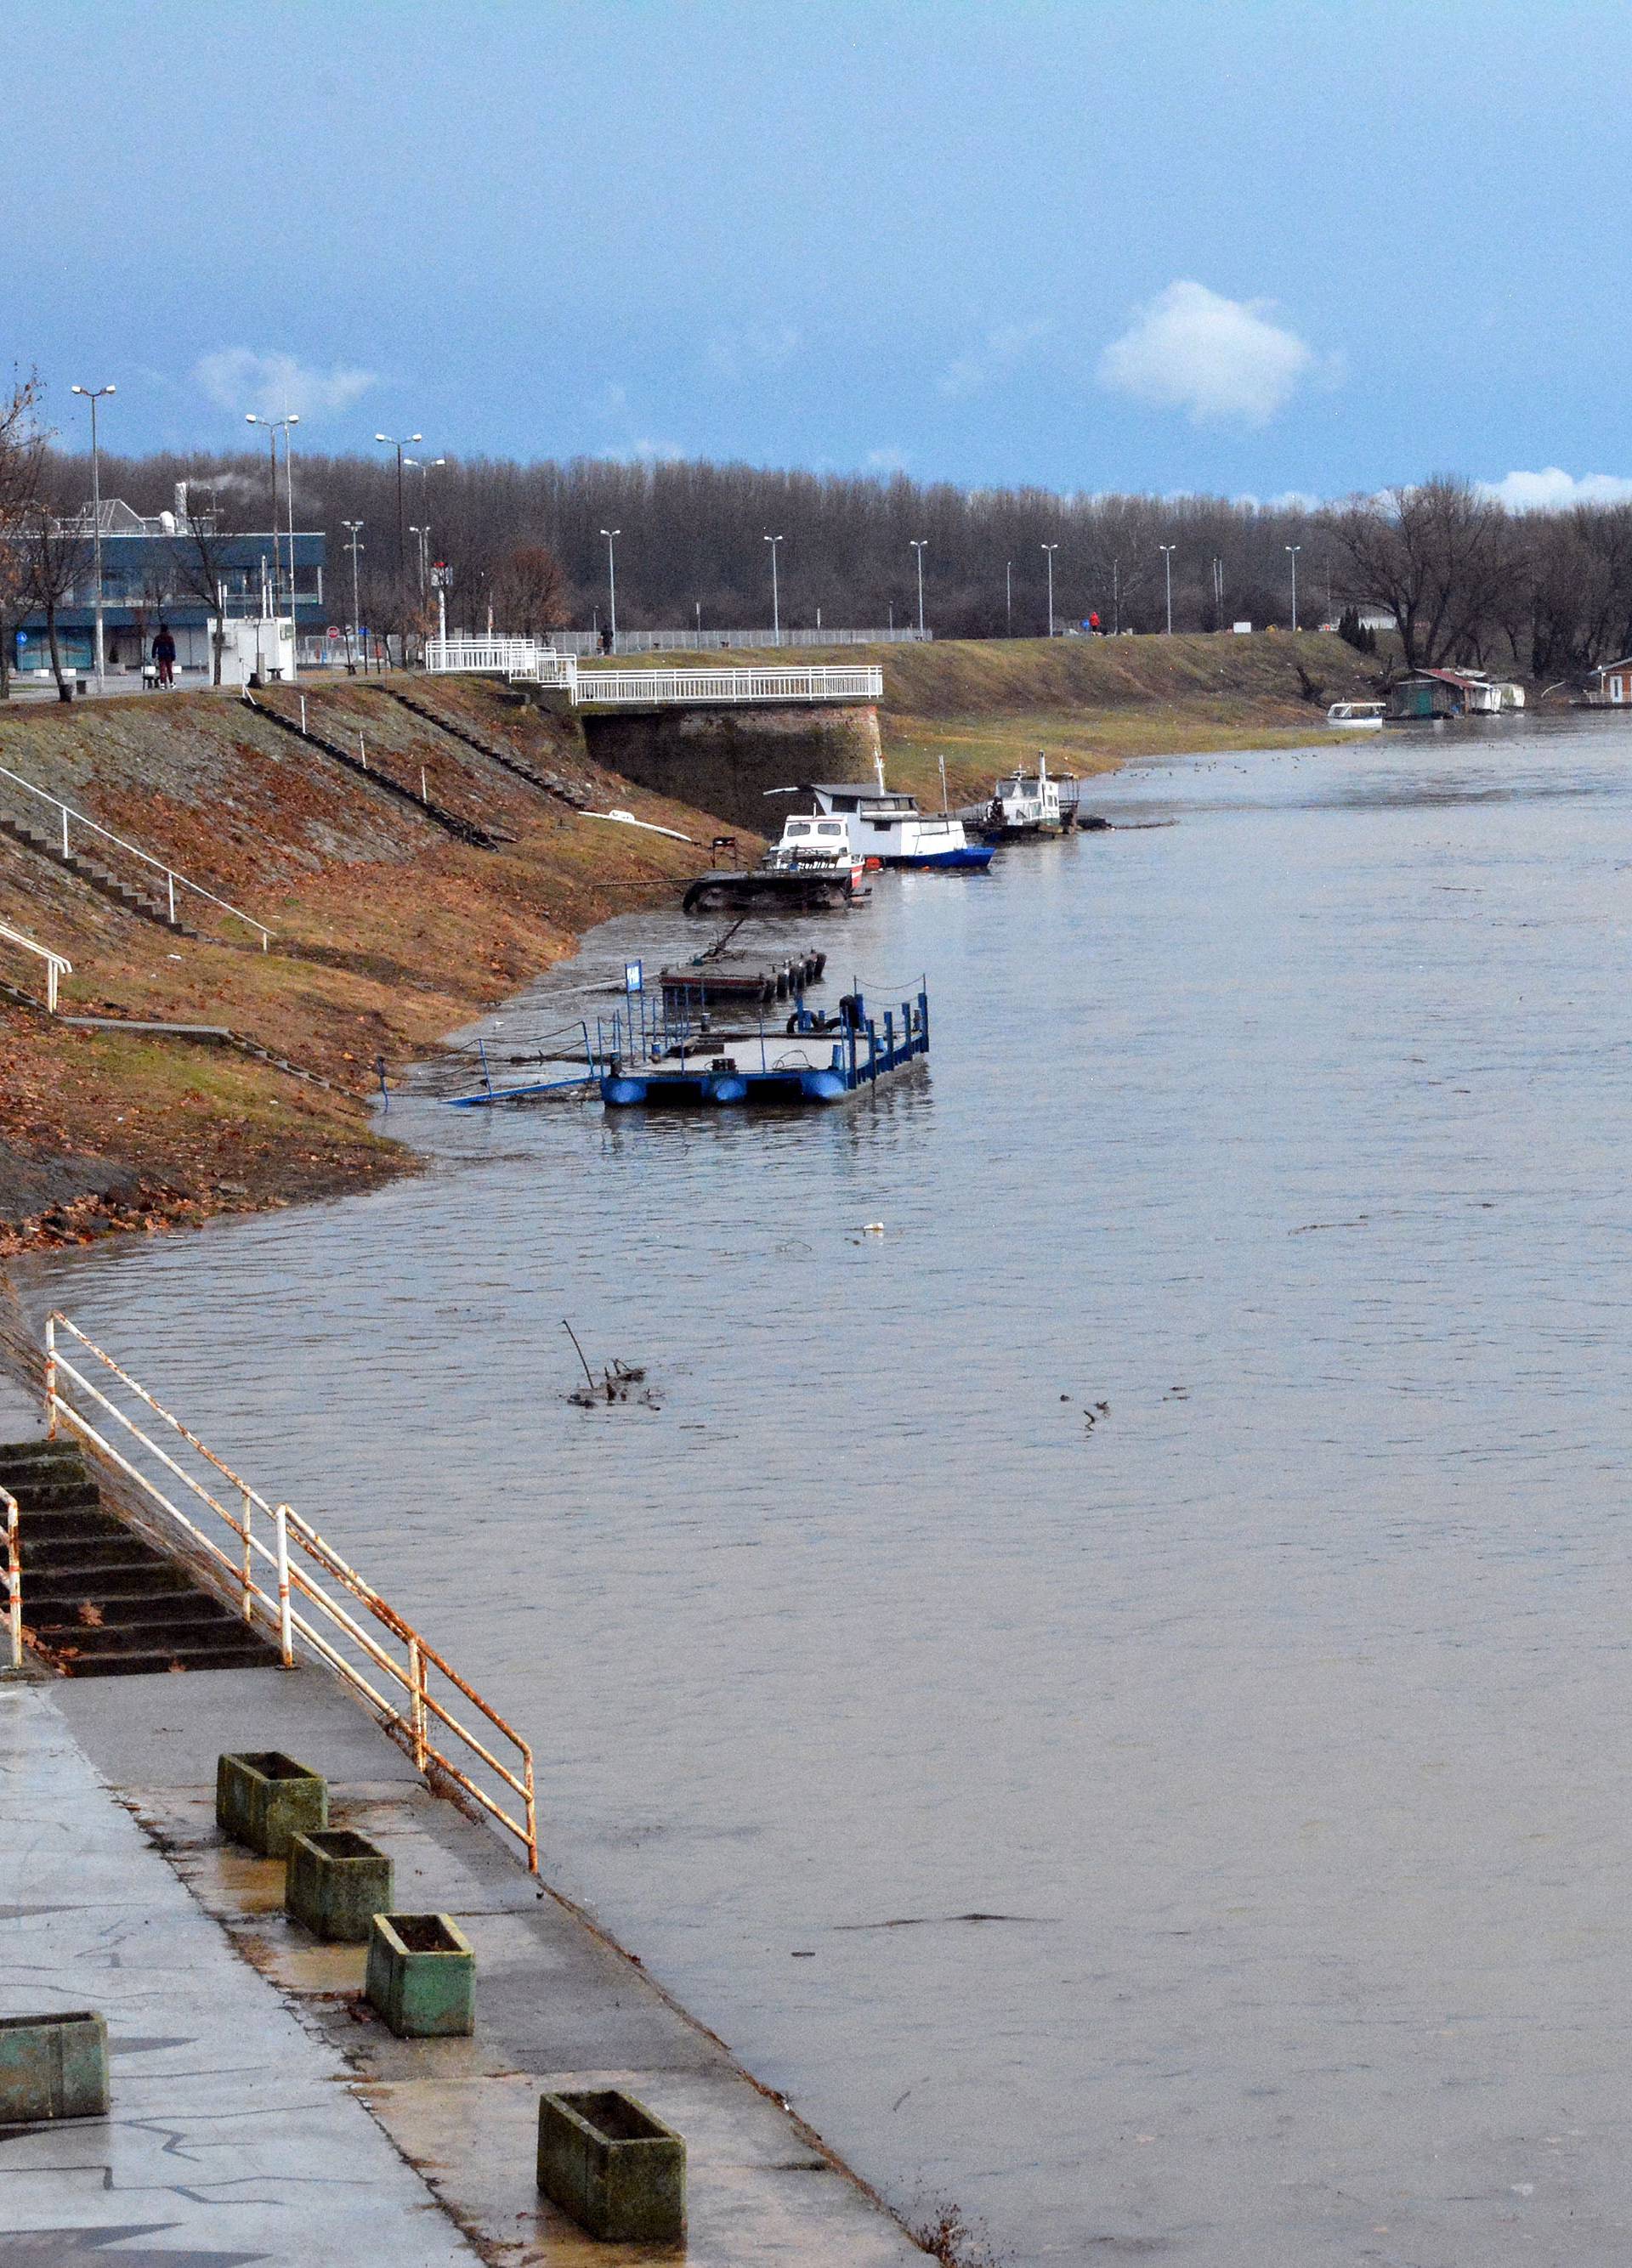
column 1049, row 551
column 425, row 467
column 391, row 442
column 1292, row 551
column 420, row 535
column 274, row 426
column 1008, row 598
column 1167, row 551
column 93, row 394
column 776, row 602
column 1115, row 598
column 354, row 528
column 611, row 534
column 917, row 543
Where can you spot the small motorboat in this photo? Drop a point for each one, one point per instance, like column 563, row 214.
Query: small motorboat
column 889, row 828
column 811, row 844
column 1025, row 804
column 1355, row 716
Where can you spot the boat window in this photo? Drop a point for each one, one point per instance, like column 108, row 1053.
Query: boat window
column 846, row 803
column 830, row 827
column 797, row 826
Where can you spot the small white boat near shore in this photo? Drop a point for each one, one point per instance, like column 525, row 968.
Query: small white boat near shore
column 1355, row 716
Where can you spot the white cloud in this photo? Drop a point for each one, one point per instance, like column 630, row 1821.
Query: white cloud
column 644, row 452
column 885, row 461
column 1555, row 489
column 993, row 357
column 239, row 378
column 1192, row 348
column 753, row 349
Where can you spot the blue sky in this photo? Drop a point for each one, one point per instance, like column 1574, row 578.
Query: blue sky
column 1258, row 247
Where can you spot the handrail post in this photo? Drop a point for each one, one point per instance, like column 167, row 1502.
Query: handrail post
column 64, row 830
column 285, row 1638
column 50, row 1377
column 248, row 1558
column 14, row 1581
column 417, row 1688
column 532, row 1815
column 170, row 885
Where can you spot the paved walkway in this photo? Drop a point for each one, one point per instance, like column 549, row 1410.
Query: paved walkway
column 229, row 2140
column 261, row 2112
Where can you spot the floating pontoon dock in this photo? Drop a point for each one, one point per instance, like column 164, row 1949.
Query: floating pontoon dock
column 815, row 1059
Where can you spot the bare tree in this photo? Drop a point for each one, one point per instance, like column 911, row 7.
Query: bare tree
column 1441, row 557
column 205, row 561
column 58, row 554
column 22, row 449
column 530, row 591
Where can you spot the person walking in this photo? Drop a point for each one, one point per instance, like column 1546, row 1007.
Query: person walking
column 164, row 655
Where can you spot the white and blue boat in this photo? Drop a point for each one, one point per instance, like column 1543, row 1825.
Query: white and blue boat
column 889, row 829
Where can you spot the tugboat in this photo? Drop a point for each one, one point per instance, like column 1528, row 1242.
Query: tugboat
column 1024, row 804
column 889, row 828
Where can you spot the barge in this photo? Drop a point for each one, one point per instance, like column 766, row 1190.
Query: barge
column 646, row 1062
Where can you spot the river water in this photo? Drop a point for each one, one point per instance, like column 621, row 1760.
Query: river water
column 1284, row 1713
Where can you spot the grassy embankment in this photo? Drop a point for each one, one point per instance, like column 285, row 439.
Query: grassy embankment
column 389, row 934
column 985, row 705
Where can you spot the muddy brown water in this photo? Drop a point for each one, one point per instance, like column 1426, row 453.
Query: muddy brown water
column 1200, row 1834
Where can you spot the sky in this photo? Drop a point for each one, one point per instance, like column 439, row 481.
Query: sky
column 1275, row 247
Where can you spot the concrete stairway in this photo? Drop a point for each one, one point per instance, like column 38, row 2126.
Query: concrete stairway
column 465, row 830
column 108, row 886
column 96, row 1601
column 550, row 783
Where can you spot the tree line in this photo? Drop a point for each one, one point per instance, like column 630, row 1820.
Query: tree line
column 1545, row 594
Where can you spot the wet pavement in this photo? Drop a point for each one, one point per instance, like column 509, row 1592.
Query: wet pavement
column 261, row 2110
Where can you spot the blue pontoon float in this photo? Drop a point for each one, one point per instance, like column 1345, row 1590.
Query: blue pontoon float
column 815, row 1059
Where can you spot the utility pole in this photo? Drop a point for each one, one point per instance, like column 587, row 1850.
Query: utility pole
column 776, row 603
column 274, row 426
column 1008, row 598
column 1049, row 551
column 1115, row 598
column 93, row 394
column 611, row 534
column 354, row 528
column 1292, row 551
column 1167, row 551
column 917, row 543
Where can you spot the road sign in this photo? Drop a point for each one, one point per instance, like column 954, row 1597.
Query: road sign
column 634, row 976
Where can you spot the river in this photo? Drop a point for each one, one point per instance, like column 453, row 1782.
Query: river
column 1280, row 1715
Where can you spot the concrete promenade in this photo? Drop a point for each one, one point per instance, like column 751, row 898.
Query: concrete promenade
column 261, row 2111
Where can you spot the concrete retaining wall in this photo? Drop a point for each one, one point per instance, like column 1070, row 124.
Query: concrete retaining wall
column 723, row 760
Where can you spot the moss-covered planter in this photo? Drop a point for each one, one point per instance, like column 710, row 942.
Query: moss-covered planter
column 618, row 2171
column 52, row 2067
column 264, row 1798
column 335, row 1883
column 421, row 1976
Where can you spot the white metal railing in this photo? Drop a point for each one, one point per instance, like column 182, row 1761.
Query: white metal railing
column 172, row 881
column 659, row 685
column 13, row 1577
column 587, row 642
column 285, row 1579
column 506, row 655
column 56, row 964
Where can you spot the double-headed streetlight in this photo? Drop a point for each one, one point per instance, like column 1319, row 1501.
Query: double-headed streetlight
column 93, row 394
column 1292, row 551
column 274, row 427
column 408, row 442
column 917, row 543
column 776, row 603
column 1167, row 551
column 420, row 535
column 611, row 535
column 425, row 467
column 1049, row 551
column 354, row 528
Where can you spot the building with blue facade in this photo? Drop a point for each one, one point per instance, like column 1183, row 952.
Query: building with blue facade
column 159, row 569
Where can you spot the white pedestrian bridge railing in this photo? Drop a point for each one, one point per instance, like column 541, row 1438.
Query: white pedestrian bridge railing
column 645, row 685
column 528, row 661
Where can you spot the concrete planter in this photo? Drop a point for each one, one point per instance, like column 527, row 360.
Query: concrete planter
column 618, row 2171
column 52, row 2067
column 264, row 1798
column 421, row 1976
column 336, row 1883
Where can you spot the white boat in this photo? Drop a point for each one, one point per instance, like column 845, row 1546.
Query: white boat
column 1025, row 803
column 890, row 830
column 811, row 844
column 1356, row 716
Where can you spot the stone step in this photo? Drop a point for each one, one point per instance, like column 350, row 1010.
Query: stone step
column 15, row 1456
column 57, row 1523
column 149, row 1609
column 86, row 1555
column 201, row 1627
column 148, row 1580
column 248, row 1653
column 71, row 1493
